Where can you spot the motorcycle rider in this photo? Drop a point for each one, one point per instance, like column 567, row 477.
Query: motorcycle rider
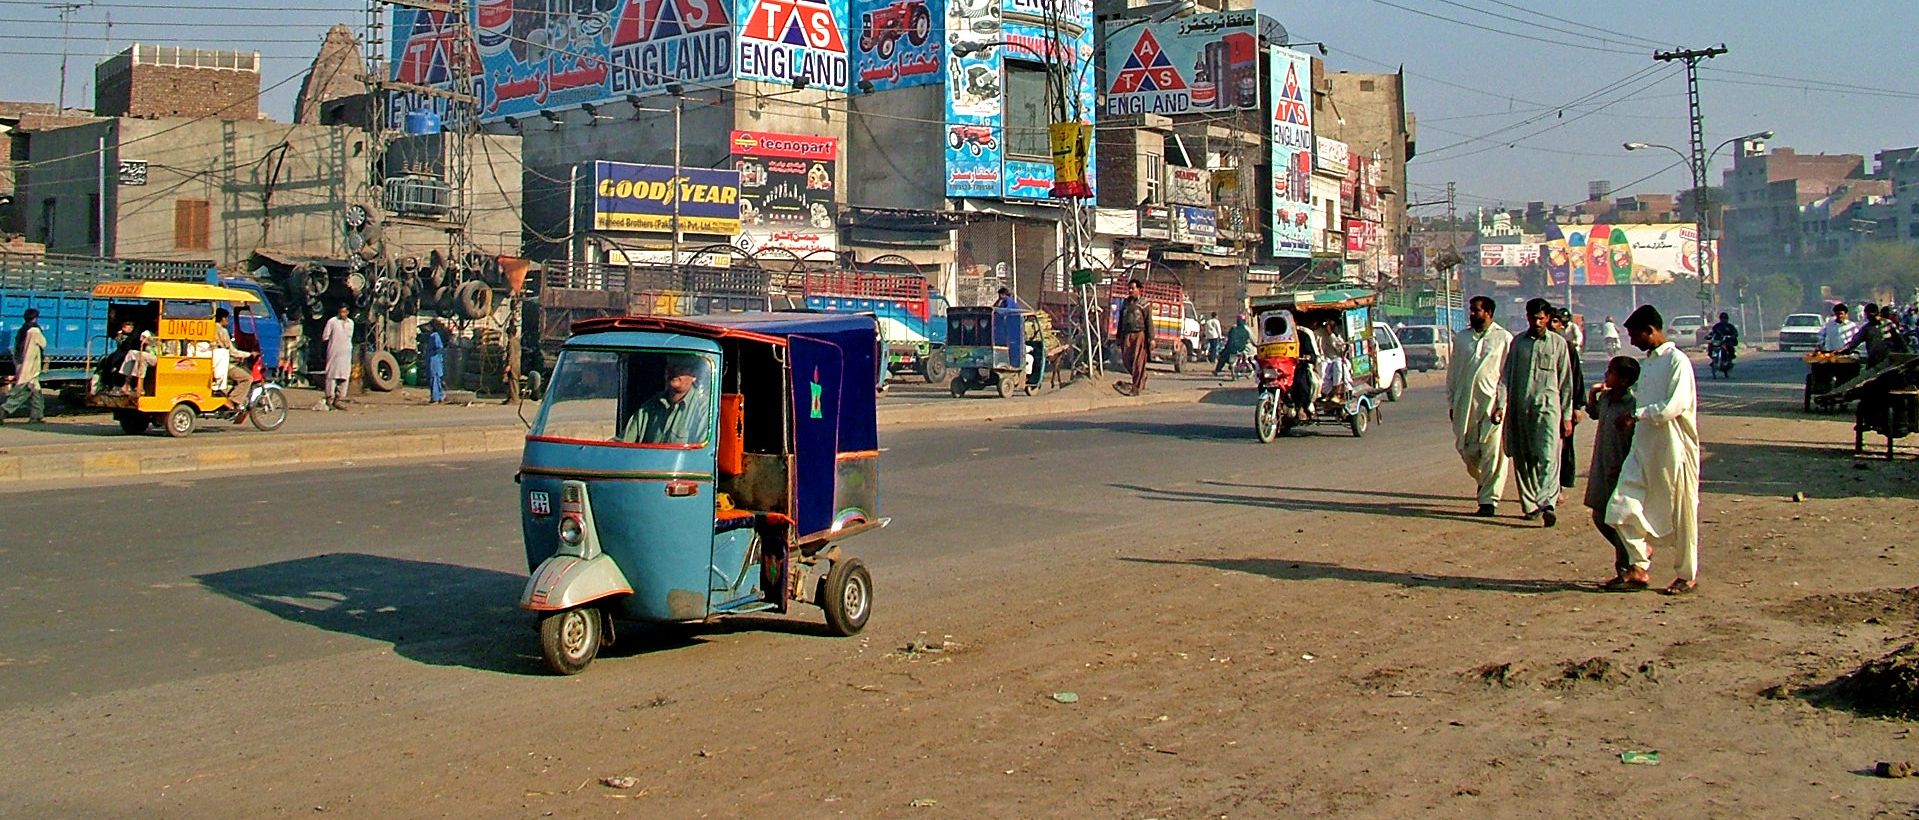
column 1724, row 339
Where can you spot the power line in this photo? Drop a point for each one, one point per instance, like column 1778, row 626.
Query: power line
column 1633, row 77
column 1581, row 32
column 1526, row 37
column 1629, row 39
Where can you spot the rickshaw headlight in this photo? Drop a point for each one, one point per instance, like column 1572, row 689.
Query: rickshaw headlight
column 571, row 533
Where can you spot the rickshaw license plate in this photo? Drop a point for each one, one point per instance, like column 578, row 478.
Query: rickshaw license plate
column 539, row 503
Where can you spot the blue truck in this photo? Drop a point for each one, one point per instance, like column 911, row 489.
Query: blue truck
column 61, row 288
column 911, row 313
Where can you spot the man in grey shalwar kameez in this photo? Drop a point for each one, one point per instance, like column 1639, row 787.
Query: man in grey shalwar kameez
column 1539, row 408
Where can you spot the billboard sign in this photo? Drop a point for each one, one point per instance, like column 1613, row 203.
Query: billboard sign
column 786, row 192
column 1332, row 157
column 899, row 44
column 629, row 197
column 785, row 41
column 1189, row 186
column 1154, row 222
column 1194, row 226
column 550, row 55
column 1292, row 161
column 1116, row 222
column 1206, row 62
column 1653, row 254
column 425, row 53
column 975, row 133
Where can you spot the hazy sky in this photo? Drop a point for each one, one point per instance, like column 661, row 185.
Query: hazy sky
column 1465, row 83
column 1533, row 86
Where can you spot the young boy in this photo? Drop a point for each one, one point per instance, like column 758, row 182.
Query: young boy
column 1611, row 406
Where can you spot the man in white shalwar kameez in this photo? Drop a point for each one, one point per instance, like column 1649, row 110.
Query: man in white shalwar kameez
column 1477, row 396
column 338, row 336
column 1657, row 499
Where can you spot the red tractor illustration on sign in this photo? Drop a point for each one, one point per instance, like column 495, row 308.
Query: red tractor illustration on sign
column 882, row 27
column 978, row 139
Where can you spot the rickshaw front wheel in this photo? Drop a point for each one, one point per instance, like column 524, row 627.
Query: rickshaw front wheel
column 268, row 410
column 570, row 639
column 847, row 597
column 180, row 420
column 1266, row 417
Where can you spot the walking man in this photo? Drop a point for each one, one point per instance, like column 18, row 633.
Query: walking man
column 29, row 359
column 1540, row 396
column 1477, row 397
column 338, row 337
column 1135, row 336
column 1658, row 494
column 1209, row 336
column 434, row 346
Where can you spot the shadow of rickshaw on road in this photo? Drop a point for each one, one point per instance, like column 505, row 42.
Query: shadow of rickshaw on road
column 439, row 614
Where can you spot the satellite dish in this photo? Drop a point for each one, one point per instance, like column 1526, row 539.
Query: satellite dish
column 1274, row 32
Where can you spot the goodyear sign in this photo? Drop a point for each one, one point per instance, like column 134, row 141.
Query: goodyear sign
column 629, row 197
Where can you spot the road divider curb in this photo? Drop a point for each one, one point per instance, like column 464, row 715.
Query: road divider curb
column 66, row 463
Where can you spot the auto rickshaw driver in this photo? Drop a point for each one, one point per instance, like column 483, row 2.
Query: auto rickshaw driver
column 239, row 379
column 678, row 413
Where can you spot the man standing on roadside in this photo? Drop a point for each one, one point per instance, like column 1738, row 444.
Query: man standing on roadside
column 1838, row 332
column 1658, row 493
column 1540, row 396
column 338, row 336
column 1477, row 397
column 1135, row 336
column 29, row 358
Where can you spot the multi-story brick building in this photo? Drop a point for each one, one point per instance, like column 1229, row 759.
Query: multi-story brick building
column 165, row 81
column 1765, row 194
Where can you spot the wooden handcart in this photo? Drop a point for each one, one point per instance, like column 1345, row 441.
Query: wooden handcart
column 1825, row 372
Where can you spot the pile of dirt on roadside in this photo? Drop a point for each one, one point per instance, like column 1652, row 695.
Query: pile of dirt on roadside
column 1884, row 686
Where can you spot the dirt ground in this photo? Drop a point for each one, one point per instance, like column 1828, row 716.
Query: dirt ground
column 1457, row 668
column 1284, row 651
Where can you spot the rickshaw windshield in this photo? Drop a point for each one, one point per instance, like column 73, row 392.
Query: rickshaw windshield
column 645, row 397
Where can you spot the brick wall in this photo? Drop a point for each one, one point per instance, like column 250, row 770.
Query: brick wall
column 178, row 91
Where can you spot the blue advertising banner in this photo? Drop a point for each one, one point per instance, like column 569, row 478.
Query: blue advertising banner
column 1292, row 138
column 785, row 41
column 536, row 55
column 1028, row 180
column 629, row 197
column 975, row 138
column 899, row 44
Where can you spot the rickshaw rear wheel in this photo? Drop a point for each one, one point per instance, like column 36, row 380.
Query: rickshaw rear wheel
column 180, row 420
column 1004, row 385
column 1358, row 422
column 570, row 639
column 847, row 597
column 132, row 422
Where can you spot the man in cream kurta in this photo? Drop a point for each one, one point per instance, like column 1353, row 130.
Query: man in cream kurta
column 1540, row 395
column 1477, row 396
column 1658, row 494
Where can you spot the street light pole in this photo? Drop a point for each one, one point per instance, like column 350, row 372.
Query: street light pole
column 1701, row 215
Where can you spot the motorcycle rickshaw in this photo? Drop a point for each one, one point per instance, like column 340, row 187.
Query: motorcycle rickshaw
column 685, row 468
column 187, row 377
column 1005, row 349
column 1293, row 389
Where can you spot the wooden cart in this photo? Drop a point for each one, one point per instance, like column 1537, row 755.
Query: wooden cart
column 1825, row 372
column 1888, row 400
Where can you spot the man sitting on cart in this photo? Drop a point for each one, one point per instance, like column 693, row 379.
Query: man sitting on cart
column 675, row 415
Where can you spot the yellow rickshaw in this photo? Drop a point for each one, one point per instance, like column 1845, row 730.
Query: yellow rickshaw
column 186, row 369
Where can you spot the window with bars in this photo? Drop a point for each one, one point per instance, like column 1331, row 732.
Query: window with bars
column 1155, row 172
column 192, row 230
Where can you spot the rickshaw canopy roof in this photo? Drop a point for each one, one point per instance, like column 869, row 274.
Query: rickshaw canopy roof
column 172, row 291
column 771, row 327
column 1331, row 299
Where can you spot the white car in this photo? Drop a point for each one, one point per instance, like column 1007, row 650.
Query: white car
column 1686, row 331
column 1389, row 359
column 1801, row 330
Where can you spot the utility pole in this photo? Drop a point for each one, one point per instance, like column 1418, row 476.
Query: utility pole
column 1691, row 58
column 1446, row 275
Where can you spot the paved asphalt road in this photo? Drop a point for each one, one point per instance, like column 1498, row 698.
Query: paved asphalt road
column 273, row 592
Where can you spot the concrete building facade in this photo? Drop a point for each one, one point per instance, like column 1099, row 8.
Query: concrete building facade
column 1368, row 113
column 1765, row 193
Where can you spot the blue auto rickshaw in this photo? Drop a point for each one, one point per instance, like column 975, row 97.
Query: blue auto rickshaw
column 684, row 468
column 999, row 348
